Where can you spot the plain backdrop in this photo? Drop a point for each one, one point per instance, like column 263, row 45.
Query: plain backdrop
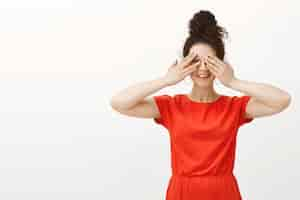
column 62, row 60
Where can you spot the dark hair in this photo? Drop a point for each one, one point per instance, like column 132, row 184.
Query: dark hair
column 203, row 28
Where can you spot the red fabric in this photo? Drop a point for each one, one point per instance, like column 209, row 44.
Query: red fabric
column 203, row 143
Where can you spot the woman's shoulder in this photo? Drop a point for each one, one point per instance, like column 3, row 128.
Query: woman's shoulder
column 173, row 101
column 238, row 98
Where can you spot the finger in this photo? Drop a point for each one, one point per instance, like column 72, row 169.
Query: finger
column 189, row 70
column 213, row 69
column 187, row 56
column 211, row 59
column 214, row 63
column 189, row 59
column 213, row 72
column 192, row 67
column 216, row 59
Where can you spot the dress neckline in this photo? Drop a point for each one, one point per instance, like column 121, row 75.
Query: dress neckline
column 203, row 103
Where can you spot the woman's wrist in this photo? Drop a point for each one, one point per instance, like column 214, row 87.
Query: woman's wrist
column 164, row 81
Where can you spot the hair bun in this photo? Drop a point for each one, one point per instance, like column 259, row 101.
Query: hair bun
column 201, row 22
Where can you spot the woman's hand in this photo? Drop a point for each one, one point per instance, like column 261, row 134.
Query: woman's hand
column 222, row 70
column 178, row 71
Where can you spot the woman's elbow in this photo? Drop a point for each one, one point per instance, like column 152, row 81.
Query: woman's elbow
column 286, row 101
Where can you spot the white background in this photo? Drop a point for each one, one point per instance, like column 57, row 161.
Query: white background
column 61, row 61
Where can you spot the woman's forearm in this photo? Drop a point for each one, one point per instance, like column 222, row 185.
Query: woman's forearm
column 133, row 94
column 267, row 94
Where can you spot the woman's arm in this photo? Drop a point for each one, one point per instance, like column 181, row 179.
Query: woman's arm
column 132, row 95
column 132, row 100
column 265, row 98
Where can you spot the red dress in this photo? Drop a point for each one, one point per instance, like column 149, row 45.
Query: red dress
column 203, row 142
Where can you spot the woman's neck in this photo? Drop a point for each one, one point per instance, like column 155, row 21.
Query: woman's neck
column 203, row 95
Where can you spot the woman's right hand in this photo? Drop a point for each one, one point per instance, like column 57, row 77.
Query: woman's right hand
column 178, row 71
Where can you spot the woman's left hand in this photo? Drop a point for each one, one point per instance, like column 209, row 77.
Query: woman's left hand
column 222, row 70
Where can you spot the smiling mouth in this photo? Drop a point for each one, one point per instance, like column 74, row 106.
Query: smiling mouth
column 203, row 76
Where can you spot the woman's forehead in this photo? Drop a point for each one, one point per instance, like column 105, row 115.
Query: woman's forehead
column 202, row 50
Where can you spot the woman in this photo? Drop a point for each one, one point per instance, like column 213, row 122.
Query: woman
column 202, row 124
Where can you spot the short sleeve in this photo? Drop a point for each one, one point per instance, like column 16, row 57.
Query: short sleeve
column 243, row 101
column 163, row 103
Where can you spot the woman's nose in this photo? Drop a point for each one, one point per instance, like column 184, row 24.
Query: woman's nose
column 202, row 66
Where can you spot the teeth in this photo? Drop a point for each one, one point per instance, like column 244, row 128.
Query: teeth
column 203, row 76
